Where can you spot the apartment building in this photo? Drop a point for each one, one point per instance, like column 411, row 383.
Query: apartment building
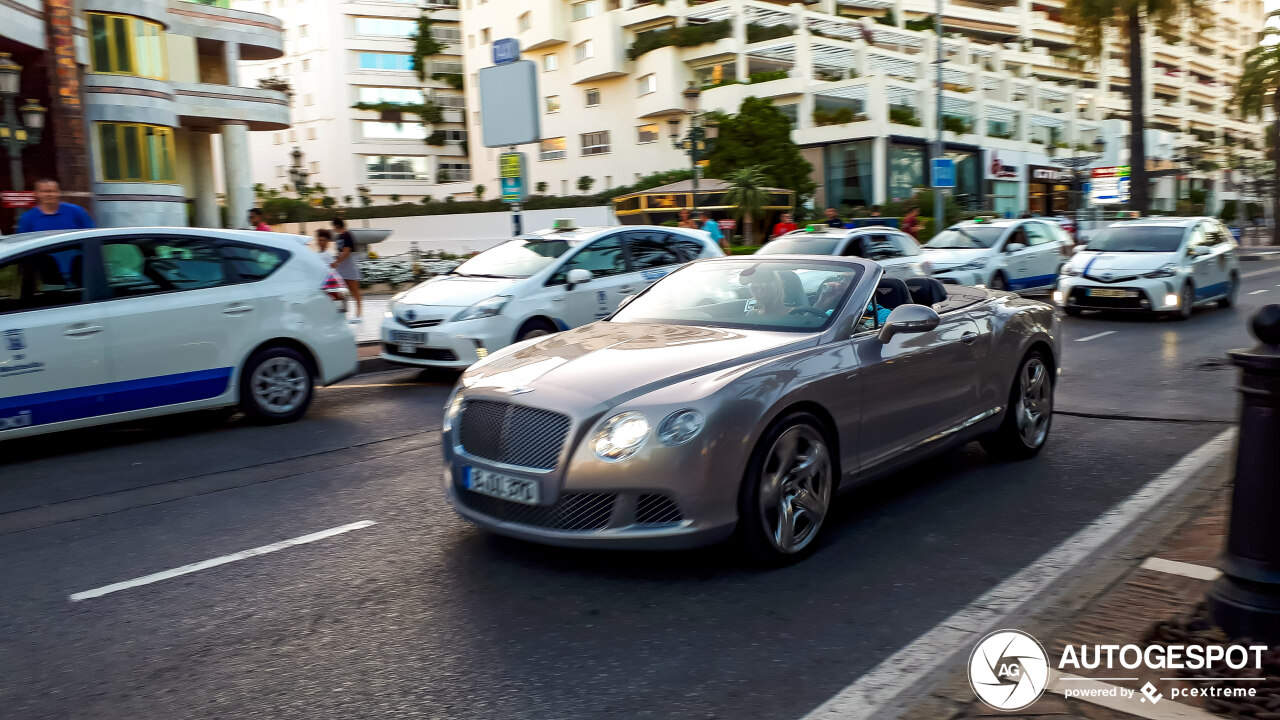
column 856, row 78
column 343, row 53
column 149, row 104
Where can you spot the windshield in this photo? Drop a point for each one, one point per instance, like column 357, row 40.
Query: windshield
column 784, row 295
column 1137, row 238
column 514, row 259
column 966, row 238
column 800, row 245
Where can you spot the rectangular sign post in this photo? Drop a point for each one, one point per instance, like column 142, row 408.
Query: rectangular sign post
column 944, row 173
column 511, row 172
column 509, row 117
column 17, row 199
column 1109, row 186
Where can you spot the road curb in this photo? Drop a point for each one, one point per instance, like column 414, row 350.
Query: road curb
column 371, row 360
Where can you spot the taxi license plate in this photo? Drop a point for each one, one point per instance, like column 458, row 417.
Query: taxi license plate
column 1110, row 293
column 500, row 486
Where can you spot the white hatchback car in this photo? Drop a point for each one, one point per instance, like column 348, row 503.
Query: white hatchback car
column 1017, row 255
column 1158, row 265
column 102, row 326
column 534, row 285
column 895, row 251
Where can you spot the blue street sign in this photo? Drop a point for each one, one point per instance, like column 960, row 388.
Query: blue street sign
column 512, row 189
column 505, row 50
column 944, row 173
column 1237, row 233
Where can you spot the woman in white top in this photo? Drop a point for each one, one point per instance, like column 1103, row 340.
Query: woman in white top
column 324, row 245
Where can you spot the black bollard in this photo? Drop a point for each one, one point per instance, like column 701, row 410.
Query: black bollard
column 1245, row 601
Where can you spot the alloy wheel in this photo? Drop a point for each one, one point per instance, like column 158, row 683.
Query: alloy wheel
column 279, row 385
column 1035, row 402
column 795, row 488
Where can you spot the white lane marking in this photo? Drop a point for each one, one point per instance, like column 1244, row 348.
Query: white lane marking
column 1095, row 337
column 1173, row 567
column 1256, row 273
column 1259, row 292
column 215, row 562
column 870, row 694
column 1107, row 696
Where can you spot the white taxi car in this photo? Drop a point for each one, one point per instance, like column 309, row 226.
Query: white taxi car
column 102, row 326
column 1165, row 265
column 1017, row 255
column 534, row 285
column 895, row 251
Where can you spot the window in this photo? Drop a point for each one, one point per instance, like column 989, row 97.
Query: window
column 302, row 31
column 584, row 10
column 143, row 266
column 133, row 152
column 1037, row 234
column 403, row 96
column 523, row 22
column 126, row 46
column 306, row 65
column 602, row 257
column 308, row 99
column 584, row 51
column 279, row 138
column 266, row 7
column 374, row 130
column 315, row 166
column 48, row 278
column 552, row 103
column 386, row 61
column 647, row 84
column 550, row 63
column 648, row 133
column 595, row 143
column 593, row 97
column 874, row 247
column 552, row 149
column 454, row 172
column 484, row 36
column 279, row 171
column 651, row 249
column 387, row 27
column 396, row 167
column 251, row 263
column 293, row 135
column 445, row 34
column 311, row 133
column 288, row 69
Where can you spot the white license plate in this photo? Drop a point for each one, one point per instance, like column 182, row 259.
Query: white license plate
column 1109, row 293
column 500, row 486
column 403, row 337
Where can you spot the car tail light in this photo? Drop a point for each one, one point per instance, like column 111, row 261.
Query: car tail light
column 336, row 290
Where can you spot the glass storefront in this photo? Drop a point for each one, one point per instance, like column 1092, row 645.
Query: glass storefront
column 850, row 174
column 1006, row 198
column 906, row 171
column 968, row 190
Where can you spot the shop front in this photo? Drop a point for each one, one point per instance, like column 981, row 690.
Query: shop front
column 1005, row 175
column 1049, row 190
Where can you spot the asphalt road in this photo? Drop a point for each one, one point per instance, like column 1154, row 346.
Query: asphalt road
column 423, row 616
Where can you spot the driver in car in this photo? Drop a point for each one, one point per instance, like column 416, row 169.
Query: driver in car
column 770, row 296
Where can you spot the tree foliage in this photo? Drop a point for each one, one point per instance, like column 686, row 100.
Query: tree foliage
column 748, row 194
column 1259, row 87
column 760, row 135
column 424, row 46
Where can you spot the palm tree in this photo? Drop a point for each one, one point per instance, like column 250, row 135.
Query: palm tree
column 1260, row 85
column 748, row 196
column 1091, row 20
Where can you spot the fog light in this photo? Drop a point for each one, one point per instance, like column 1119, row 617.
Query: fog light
column 1171, row 300
column 1057, row 296
column 481, row 351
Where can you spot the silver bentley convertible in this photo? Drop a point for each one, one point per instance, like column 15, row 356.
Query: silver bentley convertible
column 736, row 396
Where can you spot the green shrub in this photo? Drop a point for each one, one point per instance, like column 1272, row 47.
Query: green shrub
column 760, row 77
column 956, row 124
column 760, row 33
column 682, row 36
column 900, row 115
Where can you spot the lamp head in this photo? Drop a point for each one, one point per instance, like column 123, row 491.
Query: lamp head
column 10, row 75
column 691, row 97
column 33, row 114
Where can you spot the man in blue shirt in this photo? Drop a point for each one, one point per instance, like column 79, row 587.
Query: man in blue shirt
column 713, row 227
column 51, row 213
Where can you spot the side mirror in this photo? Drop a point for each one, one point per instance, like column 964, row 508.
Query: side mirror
column 909, row 319
column 1014, row 247
column 1198, row 250
column 577, row 276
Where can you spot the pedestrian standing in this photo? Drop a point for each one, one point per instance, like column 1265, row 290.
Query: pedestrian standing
column 784, row 226
column 710, row 225
column 324, row 246
column 686, row 220
column 875, row 211
column 345, row 265
column 833, row 218
column 258, row 220
column 911, row 224
column 50, row 213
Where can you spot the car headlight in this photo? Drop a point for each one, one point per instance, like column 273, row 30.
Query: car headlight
column 1069, row 271
column 975, row 265
column 680, row 427
column 620, row 437
column 1167, row 270
column 483, row 309
column 453, row 410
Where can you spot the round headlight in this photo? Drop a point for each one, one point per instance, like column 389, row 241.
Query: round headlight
column 621, row 436
column 680, row 427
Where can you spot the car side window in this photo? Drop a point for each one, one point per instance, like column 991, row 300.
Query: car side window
column 1037, row 234
column 854, row 247
column 145, row 266
column 880, row 247
column 251, row 263
column 1198, row 238
column 651, row 249
column 48, row 278
column 687, row 248
column 905, row 244
column 602, row 257
column 1214, row 234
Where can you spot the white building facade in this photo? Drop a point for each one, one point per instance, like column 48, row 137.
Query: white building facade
column 341, row 53
column 856, row 79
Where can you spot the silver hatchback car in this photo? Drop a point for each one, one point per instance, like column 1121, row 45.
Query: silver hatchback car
column 728, row 398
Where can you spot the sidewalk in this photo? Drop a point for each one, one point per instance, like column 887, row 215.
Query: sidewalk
column 374, row 307
column 1156, row 601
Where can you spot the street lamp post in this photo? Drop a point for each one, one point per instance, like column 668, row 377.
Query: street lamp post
column 693, row 141
column 17, row 134
column 1075, row 163
column 299, row 174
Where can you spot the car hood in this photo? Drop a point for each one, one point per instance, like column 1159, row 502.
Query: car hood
column 610, row 363
column 455, row 291
column 952, row 257
column 1117, row 263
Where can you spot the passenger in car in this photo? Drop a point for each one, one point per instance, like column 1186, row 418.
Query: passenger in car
column 768, row 292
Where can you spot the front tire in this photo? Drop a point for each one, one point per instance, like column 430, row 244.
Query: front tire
column 787, row 491
column 276, row 386
column 998, row 282
column 534, row 328
column 1187, row 304
column 1233, row 291
column 1029, row 414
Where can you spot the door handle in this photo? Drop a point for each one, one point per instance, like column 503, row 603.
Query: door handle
column 237, row 309
column 82, row 330
column 968, row 338
column 626, row 289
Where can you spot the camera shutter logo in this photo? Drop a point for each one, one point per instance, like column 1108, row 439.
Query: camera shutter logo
column 1008, row 670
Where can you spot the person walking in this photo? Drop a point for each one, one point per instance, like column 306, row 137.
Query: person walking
column 345, row 265
column 258, row 220
column 784, row 226
column 911, row 224
column 710, row 225
column 50, row 213
column 833, row 218
column 686, row 220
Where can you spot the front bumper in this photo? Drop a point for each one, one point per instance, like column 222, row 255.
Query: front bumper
column 1141, row 294
column 456, row 345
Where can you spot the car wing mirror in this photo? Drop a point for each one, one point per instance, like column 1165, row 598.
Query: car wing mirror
column 1198, row 250
column 577, row 276
column 1014, row 247
column 909, row 319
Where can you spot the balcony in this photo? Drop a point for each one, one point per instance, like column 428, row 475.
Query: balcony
column 199, row 103
column 259, row 36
